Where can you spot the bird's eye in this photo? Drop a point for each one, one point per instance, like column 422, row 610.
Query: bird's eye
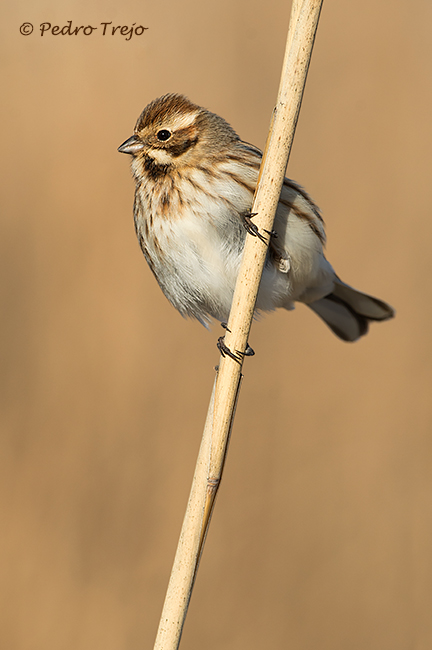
column 163, row 135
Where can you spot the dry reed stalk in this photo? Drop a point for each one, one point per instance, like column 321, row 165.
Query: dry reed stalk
column 208, row 472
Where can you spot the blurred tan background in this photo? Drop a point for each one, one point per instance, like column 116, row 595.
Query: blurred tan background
column 322, row 532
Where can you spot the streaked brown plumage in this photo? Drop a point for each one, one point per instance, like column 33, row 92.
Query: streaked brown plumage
column 195, row 181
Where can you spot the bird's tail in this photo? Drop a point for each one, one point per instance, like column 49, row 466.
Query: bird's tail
column 347, row 311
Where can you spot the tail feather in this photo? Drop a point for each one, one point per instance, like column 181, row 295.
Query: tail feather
column 347, row 311
column 368, row 306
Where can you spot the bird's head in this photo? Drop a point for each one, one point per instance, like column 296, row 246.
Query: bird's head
column 173, row 133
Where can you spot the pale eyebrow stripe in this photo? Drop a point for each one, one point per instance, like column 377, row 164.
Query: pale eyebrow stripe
column 183, row 121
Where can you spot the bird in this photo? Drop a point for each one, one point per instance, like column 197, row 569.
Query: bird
column 195, row 182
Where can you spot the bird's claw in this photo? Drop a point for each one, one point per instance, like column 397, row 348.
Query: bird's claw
column 237, row 356
column 249, row 352
column 251, row 227
column 225, row 351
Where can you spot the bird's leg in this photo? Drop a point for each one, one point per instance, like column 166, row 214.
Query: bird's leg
column 223, row 348
column 251, row 227
column 225, row 351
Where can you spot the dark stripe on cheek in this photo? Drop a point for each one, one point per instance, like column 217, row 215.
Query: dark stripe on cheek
column 178, row 149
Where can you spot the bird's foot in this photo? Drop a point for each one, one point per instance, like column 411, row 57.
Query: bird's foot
column 251, row 227
column 225, row 351
column 249, row 352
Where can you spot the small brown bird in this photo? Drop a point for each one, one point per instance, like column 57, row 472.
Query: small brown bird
column 195, row 181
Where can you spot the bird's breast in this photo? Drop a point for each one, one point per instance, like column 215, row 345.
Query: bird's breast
column 192, row 241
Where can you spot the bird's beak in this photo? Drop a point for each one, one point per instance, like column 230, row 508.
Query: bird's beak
column 132, row 145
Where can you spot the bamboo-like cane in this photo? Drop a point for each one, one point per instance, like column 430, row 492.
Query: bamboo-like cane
column 208, row 472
